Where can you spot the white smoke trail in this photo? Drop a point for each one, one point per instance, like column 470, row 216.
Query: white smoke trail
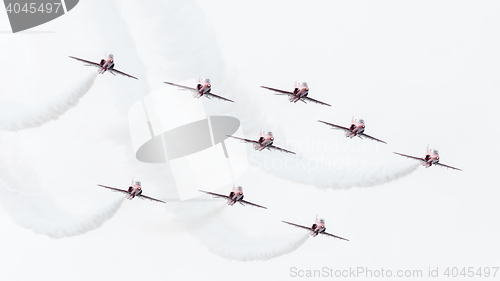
column 237, row 232
column 227, row 243
column 41, row 214
column 329, row 175
column 15, row 117
column 30, row 207
column 43, row 217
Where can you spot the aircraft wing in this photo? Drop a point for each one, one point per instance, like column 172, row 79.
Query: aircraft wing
column 150, row 198
column 217, row 97
column 114, row 189
column 242, row 139
column 86, row 61
column 372, row 138
column 113, row 71
column 315, row 101
column 251, row 204
column 180, row 86
column 335, row 126
column 215, row 194
column 443, row 165
column 298, row 225
column 335, row 236
column 412, row 157
column 279, row 149
column 279, row 92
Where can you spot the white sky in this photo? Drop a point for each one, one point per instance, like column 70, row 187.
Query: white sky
column 417, row 72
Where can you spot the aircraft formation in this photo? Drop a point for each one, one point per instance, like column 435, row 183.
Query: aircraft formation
column 265, row 140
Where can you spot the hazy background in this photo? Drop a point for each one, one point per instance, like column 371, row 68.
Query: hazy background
column 418, row 73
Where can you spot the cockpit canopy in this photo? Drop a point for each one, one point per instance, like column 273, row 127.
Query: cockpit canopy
column 138, row 183
column 207, row 80
column 321, row 221
column 361, row 121
column 239, row 188
column 270, row 133
column 110, row 56
column 435, row 151
column 304, row 84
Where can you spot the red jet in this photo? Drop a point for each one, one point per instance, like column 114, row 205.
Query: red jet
column 318, row 227
column 202, row 89
column 106, row 64
column 357, row 128
column 265, row 141
column 431, row 158
column 133, row 191
column 299, row 93
column 236, row 195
